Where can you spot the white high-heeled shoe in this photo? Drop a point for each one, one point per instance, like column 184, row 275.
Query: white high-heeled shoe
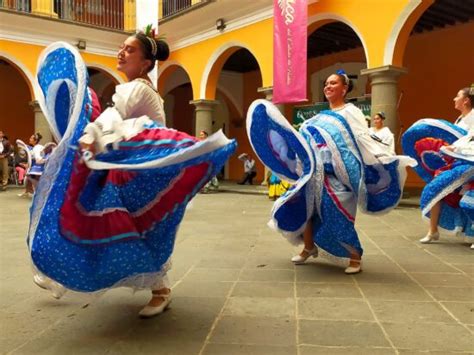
column 429, row 238
column 298, row 259
column 355, row 268
column 150, row 311
column 57, row 290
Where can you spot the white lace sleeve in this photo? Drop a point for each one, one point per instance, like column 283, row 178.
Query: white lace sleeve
column 135, row 99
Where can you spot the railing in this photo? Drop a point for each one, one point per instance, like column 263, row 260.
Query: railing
column 102, row 13
column 173, row 7
column 17, row 5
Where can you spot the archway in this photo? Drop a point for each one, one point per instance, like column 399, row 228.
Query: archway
column 103, row 83
column 17, row 119
column 331, row 46
column 176, row 90
column 438, row 56
column 234, row 81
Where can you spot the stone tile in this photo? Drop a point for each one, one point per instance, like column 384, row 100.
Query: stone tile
column 457, row 259
column 420, row 352
column 408, row 292
column 189, row 288
column 267, row 275
column 321, row 272
column 392, row 241
column 381, row 267
column 254, row 331
column 415, row 265
column 260, row 307
column 410, row 312
column 98, row 326
column 467, row 268
column 351, row 350
column 437, row 279
column 334, row 309
column 268, row 262
column 341, row 333
column 217, row 261
column 263, row 289
column 152, row 345
column 202, row 274
column 376, row 278
column 241, row 349
column 439, row 338
column 308, row 289
column 452, row 293
column 463, row 311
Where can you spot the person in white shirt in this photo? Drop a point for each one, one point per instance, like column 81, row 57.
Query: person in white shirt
column 381, row 133
column 463, row 103
column 250, row 170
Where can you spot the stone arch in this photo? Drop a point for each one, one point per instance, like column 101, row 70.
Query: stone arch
column 324, row 18
column 214, row 66
column 113, row 75
column 24, row 71
column 18, row 94
column 103, row 81
column 176, row 89
column 398, row 38
column 166, row 71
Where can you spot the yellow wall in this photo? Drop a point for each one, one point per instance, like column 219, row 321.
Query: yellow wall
column 18, row 51
column 194, row 58
column 371, row 20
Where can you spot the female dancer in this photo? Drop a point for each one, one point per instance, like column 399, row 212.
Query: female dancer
column 424, row 141
column 335, row 165
column 36, row 163
column 110, row 213
column 380, row 132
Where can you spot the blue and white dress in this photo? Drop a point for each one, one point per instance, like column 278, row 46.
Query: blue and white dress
column 449, row 176
column 112, row 220
column 335, row 166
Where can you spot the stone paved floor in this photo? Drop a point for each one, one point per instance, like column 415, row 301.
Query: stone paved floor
column 236, row 292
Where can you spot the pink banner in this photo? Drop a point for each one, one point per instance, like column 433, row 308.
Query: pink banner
column 289, row 50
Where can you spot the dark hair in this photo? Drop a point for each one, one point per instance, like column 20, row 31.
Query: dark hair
column 162, row 52
column 468, row 92
column 37, row 136
column 346, row 81
column 381, row 114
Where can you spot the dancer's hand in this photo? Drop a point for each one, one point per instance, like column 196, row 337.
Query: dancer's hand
column 87, row 150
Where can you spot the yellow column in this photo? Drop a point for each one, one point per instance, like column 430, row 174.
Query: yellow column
column 42, row 7
column 130, row 16
column 193, row 2
column 160, row 9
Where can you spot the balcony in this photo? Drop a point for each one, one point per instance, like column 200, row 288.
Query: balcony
column 172, row 8
column 107, row 14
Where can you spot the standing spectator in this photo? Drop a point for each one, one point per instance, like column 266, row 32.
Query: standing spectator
column 214, row 182
column 249, row 169
column 5, row 151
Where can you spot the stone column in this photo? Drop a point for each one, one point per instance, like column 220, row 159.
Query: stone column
column 268, row 92
column 41, row 125
column 384, row 82
column 204, row 115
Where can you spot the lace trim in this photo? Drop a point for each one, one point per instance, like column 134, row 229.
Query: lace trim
column 447, row 190
column 146, row 82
